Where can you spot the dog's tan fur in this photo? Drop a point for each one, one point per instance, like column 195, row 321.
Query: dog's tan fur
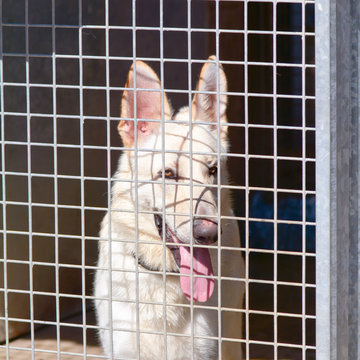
column 189, row 152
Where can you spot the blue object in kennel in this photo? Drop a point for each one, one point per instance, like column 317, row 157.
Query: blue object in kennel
column 289, row 236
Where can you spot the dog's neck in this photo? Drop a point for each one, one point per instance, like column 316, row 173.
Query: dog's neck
column 143, row 264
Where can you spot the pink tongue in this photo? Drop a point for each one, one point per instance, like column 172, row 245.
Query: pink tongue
column 202, row 287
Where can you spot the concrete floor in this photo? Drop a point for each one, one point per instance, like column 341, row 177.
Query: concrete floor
column 45, row 344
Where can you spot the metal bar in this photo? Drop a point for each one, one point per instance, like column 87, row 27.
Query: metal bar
column 29, row 163
column 247, row 184
column 218, row 133
column 303, row 185
column 3, row 193
column 109, row 177
column 136, row 193
column 170, row 29
column 275, row 268
column 82, row 182
column 163, row 164
column 337, row 152
column 191, row 183
column 56, row 187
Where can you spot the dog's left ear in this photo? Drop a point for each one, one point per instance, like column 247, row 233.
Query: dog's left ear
column 210, row 102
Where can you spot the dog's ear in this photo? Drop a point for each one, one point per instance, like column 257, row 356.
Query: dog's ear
column 147, row 102
column 210, row 101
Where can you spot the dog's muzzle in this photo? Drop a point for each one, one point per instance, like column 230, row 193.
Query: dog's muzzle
column 205, row 232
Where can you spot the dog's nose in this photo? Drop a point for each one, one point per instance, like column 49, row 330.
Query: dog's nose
column 205, row 231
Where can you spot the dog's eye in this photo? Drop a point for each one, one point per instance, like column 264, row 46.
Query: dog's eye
column 213, row 170
column 169, row 174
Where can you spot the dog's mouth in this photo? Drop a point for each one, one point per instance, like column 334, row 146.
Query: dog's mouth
column 195, row 269
column 170, row 239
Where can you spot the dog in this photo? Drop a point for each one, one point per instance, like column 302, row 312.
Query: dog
column 167, row 284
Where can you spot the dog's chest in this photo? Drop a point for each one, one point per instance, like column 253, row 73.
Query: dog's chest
column 183, row 337
column 173, row 329
column 177, row 348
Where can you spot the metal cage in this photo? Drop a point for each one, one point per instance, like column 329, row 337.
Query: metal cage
column 63, row 68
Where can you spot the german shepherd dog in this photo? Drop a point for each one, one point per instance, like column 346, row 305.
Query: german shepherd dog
column 167, row 284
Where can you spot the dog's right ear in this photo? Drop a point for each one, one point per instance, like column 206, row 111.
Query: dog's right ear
column 147, row 102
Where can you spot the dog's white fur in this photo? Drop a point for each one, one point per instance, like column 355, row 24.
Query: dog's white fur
column 136, row 317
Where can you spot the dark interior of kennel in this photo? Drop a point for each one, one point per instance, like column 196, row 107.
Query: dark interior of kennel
column 93, row 132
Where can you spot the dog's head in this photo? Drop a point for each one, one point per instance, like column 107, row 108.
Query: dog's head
column 176, row 162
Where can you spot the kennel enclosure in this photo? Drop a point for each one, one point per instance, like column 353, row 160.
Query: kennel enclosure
column 63, row 70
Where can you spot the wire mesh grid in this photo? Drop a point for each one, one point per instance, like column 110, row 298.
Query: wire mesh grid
column 63, row 69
